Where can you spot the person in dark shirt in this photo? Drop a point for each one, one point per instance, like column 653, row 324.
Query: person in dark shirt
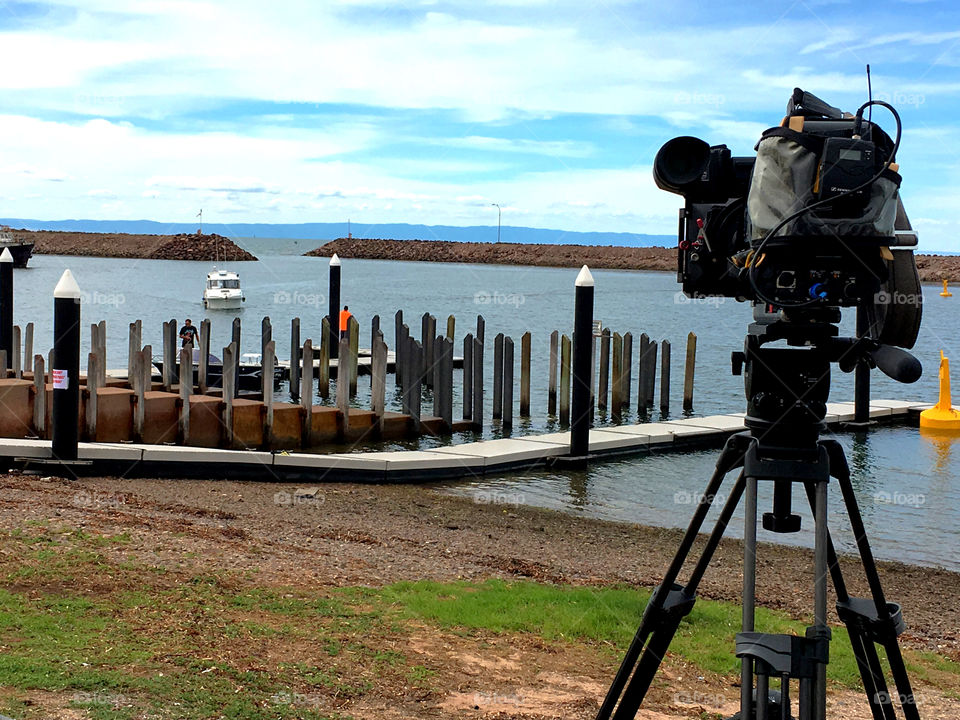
column 188, row 333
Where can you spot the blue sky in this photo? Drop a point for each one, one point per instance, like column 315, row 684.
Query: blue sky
column 428, row 112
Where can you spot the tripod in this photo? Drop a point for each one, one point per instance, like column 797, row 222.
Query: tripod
column 787, row 390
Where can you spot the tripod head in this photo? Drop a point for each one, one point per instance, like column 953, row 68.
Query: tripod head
column 788, row 387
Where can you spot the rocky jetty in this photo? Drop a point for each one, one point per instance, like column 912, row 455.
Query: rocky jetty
column 185, row 246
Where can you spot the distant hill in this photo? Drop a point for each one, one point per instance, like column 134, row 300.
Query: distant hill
column 328, row 231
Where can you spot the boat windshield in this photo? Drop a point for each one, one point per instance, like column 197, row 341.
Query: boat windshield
column 229, row 284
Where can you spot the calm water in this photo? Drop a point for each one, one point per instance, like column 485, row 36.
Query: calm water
column 516, row 299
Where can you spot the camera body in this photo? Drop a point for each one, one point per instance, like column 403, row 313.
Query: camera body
column 800, row 225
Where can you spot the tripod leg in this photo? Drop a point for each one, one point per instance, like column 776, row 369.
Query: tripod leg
column 655, row 618
column 659, row 625
column 874, row 683
column 749, row 595
column 885, row 626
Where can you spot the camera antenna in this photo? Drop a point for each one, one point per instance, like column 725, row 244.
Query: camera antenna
column 869, row 94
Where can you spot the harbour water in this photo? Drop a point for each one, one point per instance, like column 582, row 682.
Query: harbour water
column 894, row 462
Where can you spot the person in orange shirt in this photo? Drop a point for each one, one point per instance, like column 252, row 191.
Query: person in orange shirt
column 345, row 316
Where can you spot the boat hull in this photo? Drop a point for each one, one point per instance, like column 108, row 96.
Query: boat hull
column 223, row 303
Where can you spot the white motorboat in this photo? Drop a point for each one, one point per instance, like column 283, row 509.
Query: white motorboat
column 223, row 291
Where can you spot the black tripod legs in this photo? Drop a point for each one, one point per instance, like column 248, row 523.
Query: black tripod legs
column 671, row 602
column 870, row 621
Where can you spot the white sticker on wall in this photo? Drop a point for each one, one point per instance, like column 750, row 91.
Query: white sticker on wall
column 61, row 380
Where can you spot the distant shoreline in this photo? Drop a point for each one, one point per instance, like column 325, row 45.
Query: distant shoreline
column 933, row 268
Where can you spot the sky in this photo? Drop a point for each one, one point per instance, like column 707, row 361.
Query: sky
column 429, row 112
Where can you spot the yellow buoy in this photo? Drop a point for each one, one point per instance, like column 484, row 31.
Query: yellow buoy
column 945, row 292
column 942, row 416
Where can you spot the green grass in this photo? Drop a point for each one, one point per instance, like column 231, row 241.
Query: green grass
column 190, row 649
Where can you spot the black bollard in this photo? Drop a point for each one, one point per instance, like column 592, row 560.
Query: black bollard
column 65, row 369
column 582, row 362
column 334, row 307
column 6, row 307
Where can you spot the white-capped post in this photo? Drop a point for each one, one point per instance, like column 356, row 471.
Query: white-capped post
column 334, row 305
column 6, row 306
column 582, row 367
column 65, row 370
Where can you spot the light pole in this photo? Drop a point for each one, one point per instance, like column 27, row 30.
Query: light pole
column 498, row 220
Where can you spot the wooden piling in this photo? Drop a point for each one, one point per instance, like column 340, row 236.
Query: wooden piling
column 437, row 372
column 426, row 342
column 229, row 391
column 507, row 399
column 295, row 359
column 353, row 357
column 17, row 368
column 398, row 347
column 143, row 371
column 481, row 328
column 378, row 377
column 235, row 341
column 28, row 345
column 344, row 379
column 169, row 355
column 102, row 352
column 497, row 377
column 651, row 376
column 616, row 395
column 627, row 369
column 445, row 387
column 306, row 389
column 644, row 370
column 93, row 383
column 269, row 363
column 400, row 363
column 186, row 386
column 451, row 327
column 203, row 357
column 476, row 416
column 664, row 378
column 39, row 397
column 374, row 331
column 525, row 342
column 604, row 369
column 266, row 335
column 565, row 350
column 552, row 387
column 323, row 371
column 691, row 362
column 415, row 391
column 133, row 347
column 468, row 377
